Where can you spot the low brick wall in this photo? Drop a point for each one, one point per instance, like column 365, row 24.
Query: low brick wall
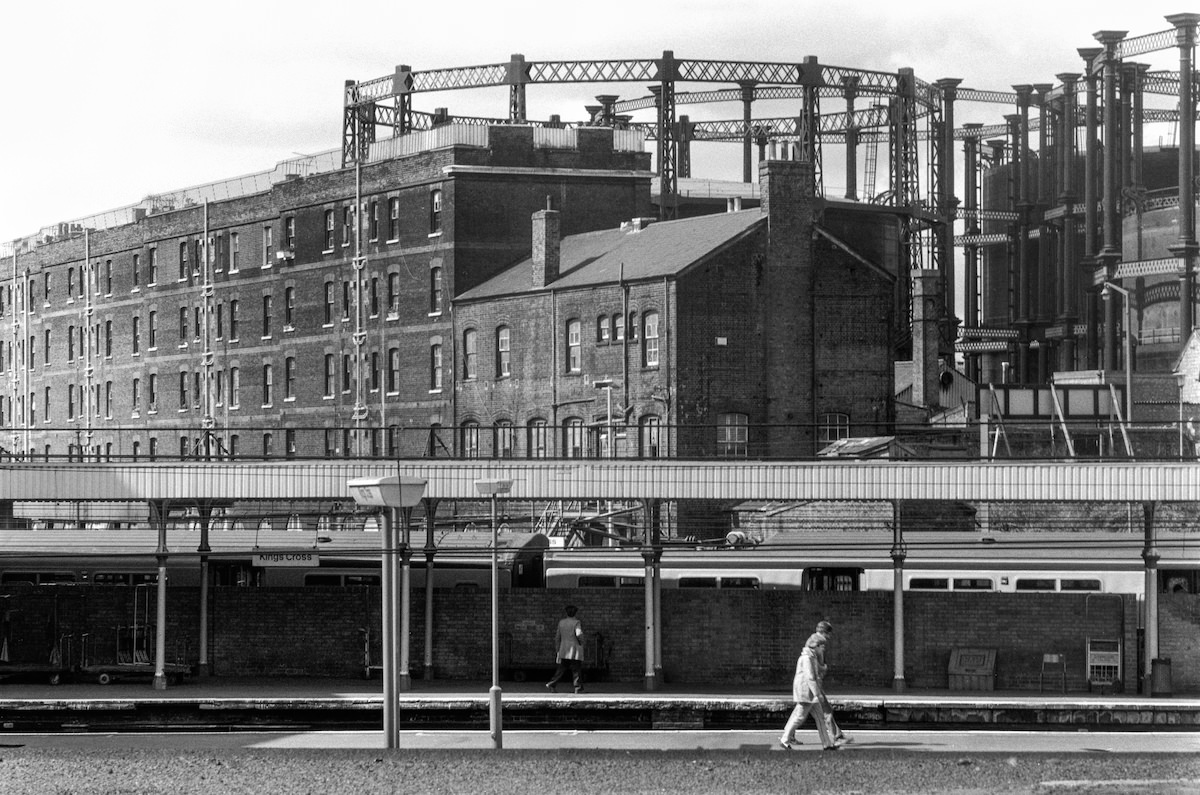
column 709, row 637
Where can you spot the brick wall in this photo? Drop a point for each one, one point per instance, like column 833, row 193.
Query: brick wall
column 731, row 637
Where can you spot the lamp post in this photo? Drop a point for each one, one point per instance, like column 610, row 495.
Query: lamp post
column 1105, row 294
column 493, row 488
column 395, row 491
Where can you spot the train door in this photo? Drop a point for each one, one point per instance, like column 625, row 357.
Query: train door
column 834, row 578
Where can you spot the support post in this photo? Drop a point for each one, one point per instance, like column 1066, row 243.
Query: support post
column 390, row 628
column 158, row 513
column 1150, row 636
column 404, row 679
column 898, row 556
column 204, row 549
column 1186, row 248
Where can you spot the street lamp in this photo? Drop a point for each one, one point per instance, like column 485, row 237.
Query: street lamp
column 493, row 488
column 607, row 385
column 1105, row 294
column 395, row 491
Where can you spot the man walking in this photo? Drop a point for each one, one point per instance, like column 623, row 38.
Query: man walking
column 569, row 640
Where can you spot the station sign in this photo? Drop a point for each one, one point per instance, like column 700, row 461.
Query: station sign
column 285, row 559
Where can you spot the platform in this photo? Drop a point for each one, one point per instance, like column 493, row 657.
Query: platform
column 210, row 702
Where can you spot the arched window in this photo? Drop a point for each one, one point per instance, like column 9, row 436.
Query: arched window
column 650, row 339
column 603, row 329
column 539, row 439
column 470, row 439
column 470, row 354
column 574, row 437
column 504, row 440
column 649, row 437
column 574, row 347
column 503, row 363
column 393, row 219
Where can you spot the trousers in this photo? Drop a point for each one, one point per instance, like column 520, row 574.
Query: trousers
column 796, row 719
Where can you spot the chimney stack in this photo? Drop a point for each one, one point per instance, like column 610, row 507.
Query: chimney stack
column 545, row 247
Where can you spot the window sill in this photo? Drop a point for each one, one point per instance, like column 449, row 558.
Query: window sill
column 289, row 400
column 435, row 234
column 435, row 391
column 135, row 289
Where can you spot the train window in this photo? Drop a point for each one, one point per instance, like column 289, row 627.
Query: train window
column 697, row 582
column 739, row 582
column 973, row 584
column 362, row 579
column 37, row 578
column 1035, row 584
column 831, row 579
column 322, row 579
column 597, row 581
column 631, row 582
column 466, row 587
column 1079, row 585
column 929, row 584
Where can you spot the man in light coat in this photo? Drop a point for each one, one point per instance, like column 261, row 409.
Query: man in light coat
column 808, row 695
column 819, row 642
column 569, row 640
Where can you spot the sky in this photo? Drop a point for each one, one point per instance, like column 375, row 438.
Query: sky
column 106, row 103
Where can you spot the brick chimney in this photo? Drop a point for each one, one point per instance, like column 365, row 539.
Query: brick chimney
column 545, row 247
column 926, row 375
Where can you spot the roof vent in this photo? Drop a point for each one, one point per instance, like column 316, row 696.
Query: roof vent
column 636, row 224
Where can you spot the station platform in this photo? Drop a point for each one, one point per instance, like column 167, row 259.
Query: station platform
column 216, row 702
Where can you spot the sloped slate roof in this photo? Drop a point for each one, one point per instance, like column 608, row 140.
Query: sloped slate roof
column 661, row 249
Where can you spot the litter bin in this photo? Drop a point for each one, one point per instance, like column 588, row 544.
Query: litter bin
column 1160, row 677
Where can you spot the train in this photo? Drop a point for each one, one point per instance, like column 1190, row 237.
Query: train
column 1075, row 562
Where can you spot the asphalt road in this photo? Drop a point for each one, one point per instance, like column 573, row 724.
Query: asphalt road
column 579, row 763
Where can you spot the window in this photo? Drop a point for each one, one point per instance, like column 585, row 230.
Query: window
column 538, row 433
column 289, row 308
column 503, row 363
column 197, row 331
column 46, row 346
column 469, row 353
column 618, row 328
column 70, row 285
column 70, row 401
column 435, row 291
column 504, row 440
column 648, row 437
column 393, row 375
column 152, row 330
column 183, row 261
column 135, row 394
column 269, row 443
column 108, row 341
column 108, row 393
column 393, row 295
column 153, row 447
column 289, row 378
column 152, row 392
column 393, row 219
column 268, row 384
column 219, row 388
column 289, row 232
column 329, row 227
column 108, row 279
column 266, row 317
column 602, row 329
column 650, row 339
column 183, row 391
column 220, row 321
column 374, row 295
column 183, row 326
column 347, row 373
column 70, row 344
column 233, row 320
column 329, row 375
column 435, row 367
column 235, row 388
column 328, row 303
column 289, row 442
column 732, row 435
column 347, row 224
column 435, row 212
column 266, row 246
column 345, row 301
column 135, row 271
column 136, row 335
column 833, row 427
column 235, row 250
column 470, row 439
column 46, row 402
column 373, row 221
column 573, row 438
column 574, row 349
column 153, row 266
column 46, row 283
column 137, row 449
column 374, row 375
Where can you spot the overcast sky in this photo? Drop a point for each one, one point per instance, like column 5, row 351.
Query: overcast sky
column 107, row 102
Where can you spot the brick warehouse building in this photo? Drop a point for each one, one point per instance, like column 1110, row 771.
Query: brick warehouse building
column 760, row 332
column 129, row 342
column 268, row 343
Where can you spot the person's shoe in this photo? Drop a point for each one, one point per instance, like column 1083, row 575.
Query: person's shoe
column 845, row 738
column 785, row 745
column 551, row 687
column 830, row 748
column 579, row 690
